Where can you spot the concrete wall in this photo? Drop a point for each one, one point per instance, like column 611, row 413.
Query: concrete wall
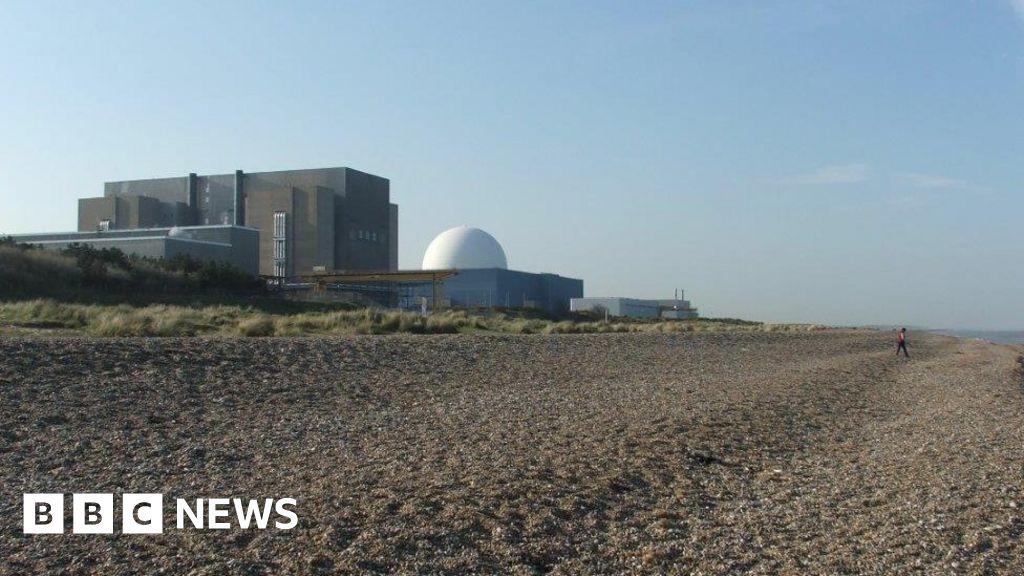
column 242, row 253
column 323, row 215
column 235, row 245
column 163, row 189
column 630, row 307
column 312, row 226
column 333, row 216
column 496, row 287
column 177, row 213
column 364, row 207
column 215, row 198
column 635, row 308
column 143, row 212
column 92, row 210
column 393, row 237
column 561, row 290
column 145, row 246
column 339, row 218
column 259, row 212
column 246, row 245
column 128, row 212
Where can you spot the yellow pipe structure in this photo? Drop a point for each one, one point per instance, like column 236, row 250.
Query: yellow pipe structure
column 435, row 277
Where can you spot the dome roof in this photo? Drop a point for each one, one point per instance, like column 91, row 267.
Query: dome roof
column 466, row 248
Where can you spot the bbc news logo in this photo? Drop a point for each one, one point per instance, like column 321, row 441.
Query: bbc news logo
column 144, row 513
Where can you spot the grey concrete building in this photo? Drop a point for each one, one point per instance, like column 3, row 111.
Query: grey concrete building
column 235, row 245
column 499, row 287
column 329, row 218
column 677, row 308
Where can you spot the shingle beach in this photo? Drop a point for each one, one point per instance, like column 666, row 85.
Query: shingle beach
column 703, row 453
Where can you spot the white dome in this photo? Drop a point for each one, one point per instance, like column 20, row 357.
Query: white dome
column 465, row 248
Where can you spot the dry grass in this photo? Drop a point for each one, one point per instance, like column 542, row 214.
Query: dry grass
column 169, row 320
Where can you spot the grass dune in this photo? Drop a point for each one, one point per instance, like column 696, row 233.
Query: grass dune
column 172, row 320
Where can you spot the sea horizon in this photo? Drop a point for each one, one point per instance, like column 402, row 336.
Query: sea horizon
column 997, row 336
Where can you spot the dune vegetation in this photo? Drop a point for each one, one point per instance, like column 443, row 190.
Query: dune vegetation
column 173, row 320
column 108, row 293
column 81, row 271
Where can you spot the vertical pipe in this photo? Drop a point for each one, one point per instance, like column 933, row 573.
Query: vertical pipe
column 193, row 203
column 434, row 295
column 239, row 198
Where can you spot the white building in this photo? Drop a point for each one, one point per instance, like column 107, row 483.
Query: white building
column 676, row 308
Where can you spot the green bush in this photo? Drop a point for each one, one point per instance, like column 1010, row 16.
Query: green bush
column 35, row 271
column 45, row 313
column 256, row 326
column 81, row 269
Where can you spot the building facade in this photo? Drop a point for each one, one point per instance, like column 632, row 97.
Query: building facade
column 676, row 308
column 501, row 288
column 328, row 218
column 235, row 245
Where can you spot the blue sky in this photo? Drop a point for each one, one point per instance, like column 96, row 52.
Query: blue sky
column 826, row 161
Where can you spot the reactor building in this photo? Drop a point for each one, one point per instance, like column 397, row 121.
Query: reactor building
column 484, row 280
column 279, row 224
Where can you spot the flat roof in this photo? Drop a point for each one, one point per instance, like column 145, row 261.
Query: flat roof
column 128, row 230
column 380, row 275
column 130, row 239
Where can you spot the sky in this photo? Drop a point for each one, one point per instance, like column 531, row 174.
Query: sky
column 835, row 162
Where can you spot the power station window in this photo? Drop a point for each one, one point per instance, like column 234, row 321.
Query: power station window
column 280, row 224
column 104, row 226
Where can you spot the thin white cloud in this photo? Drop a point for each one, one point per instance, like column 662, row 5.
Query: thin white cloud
column 910, row 201
column 933, row 181
column 836, row 174
column 1018, row 5
column 939, row 183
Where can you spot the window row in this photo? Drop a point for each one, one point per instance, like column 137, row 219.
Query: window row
column 368, row 235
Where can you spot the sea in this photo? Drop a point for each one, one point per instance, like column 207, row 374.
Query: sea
column 997, row 336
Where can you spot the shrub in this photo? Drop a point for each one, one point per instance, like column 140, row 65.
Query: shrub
column 45, row 313
column 254, row 326
column 120, row 321
column 80, row 268
column 35, row 271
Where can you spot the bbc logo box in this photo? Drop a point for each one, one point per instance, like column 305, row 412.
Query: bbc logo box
column 93, row 514
column 43, row 514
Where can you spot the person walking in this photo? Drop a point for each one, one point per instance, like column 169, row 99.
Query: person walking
column 901, row 342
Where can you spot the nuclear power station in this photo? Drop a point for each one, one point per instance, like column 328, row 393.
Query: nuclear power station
column 300, row 220
column 332, row 229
